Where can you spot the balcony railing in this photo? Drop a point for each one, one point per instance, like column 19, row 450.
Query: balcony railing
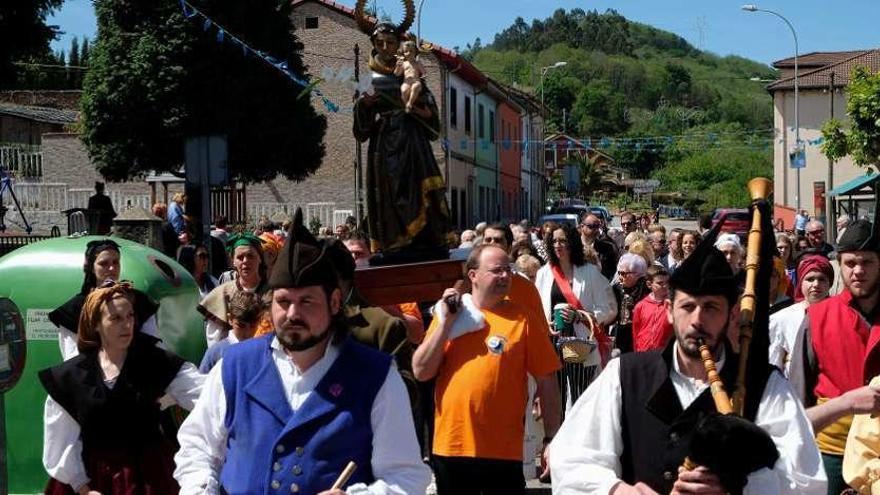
column 21, row 161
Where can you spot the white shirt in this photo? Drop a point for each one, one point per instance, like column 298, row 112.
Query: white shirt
column 787, row 328
column 396, row 462
column 62, row 445
column 585, row 453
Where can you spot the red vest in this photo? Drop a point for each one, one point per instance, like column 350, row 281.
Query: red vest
column 841, row 340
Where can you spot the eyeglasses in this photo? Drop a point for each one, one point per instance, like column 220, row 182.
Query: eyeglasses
column 500, row 270
column 623, row 274
column 624, row 224
column 493, row 240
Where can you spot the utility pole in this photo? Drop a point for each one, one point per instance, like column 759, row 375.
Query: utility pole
column 830, row 210
column 358, row 153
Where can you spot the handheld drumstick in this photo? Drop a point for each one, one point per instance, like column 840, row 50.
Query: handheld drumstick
column 344, row 476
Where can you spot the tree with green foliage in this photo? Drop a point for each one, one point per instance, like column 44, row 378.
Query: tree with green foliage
column 715, row 174
column 156, row 79
column 861, row 138
column 599, row 111
column 84, row 52
column 24, row 36
column 74, row 74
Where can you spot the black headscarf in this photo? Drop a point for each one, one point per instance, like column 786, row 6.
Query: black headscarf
column 67, row 315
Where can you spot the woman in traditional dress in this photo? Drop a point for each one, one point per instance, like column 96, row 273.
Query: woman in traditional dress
column 195, row 260
column 102, row 263
column 102, row 417
column 568, row 279
column 250, row 276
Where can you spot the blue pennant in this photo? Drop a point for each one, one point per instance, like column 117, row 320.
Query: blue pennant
column 207, row 24
column 220, row 36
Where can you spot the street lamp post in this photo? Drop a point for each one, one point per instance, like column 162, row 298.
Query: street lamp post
column 544, row 71
column 419, row 26
column 797, row 127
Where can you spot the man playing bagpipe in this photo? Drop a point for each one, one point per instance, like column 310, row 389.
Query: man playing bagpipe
column 633, row 428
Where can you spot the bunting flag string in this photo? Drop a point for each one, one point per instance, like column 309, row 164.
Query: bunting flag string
column 222, row 35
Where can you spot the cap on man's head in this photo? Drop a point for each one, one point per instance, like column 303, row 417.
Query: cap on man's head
column 303, row 261
column 706, row 271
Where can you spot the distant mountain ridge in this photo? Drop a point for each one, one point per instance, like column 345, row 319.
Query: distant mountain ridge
column 618, row 71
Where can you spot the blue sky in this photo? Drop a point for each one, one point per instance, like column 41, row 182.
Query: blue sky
column 716, row 25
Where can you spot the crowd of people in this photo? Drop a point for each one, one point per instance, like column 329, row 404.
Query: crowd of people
column 576, row 345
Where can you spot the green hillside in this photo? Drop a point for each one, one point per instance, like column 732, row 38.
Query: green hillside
column 646, row 96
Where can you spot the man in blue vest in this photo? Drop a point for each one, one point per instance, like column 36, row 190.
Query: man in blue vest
column 285, row 413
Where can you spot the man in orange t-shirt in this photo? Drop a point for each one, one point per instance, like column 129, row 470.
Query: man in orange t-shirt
column 481, row 388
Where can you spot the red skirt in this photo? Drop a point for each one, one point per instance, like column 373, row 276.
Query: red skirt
column 123, row 472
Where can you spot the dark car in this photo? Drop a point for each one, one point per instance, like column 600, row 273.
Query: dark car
column 572, row 206
column 602, row 213
column 736, row 220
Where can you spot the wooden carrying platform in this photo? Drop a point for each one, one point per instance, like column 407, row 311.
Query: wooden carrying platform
column 415, row 282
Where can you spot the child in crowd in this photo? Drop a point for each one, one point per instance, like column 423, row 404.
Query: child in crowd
column 651, row 327
column 245, row 314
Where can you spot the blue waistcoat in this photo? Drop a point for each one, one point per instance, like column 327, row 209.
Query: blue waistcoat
column 273, row 449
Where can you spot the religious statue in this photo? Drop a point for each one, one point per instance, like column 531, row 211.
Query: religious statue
column 407, row 214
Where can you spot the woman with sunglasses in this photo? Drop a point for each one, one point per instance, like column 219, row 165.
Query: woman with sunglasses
column 102, row 263
column 629, row 288
column 195, row 260
column 589, row 303
column 102, row 418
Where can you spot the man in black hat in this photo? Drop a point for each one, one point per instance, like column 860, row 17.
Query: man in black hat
column 291, row 409
column 841, row 332
column 634, row 426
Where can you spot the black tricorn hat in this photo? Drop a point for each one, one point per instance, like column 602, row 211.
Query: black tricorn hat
column 858, row 236
column 706, row 271
column 303, row 261
column 861, row 235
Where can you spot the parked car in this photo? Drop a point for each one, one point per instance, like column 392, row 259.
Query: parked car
column 569, row 205
column 561, row 218
column 602, row 213
column 736, row 220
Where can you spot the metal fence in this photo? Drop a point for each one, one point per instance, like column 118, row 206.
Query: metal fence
column 9, row 243
column 22, row 161
column 56, row 196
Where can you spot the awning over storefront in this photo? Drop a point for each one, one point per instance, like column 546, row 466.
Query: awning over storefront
column 859, row 185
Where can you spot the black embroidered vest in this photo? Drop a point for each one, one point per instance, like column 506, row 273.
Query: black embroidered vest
column 125, row 416
column 656, row 429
